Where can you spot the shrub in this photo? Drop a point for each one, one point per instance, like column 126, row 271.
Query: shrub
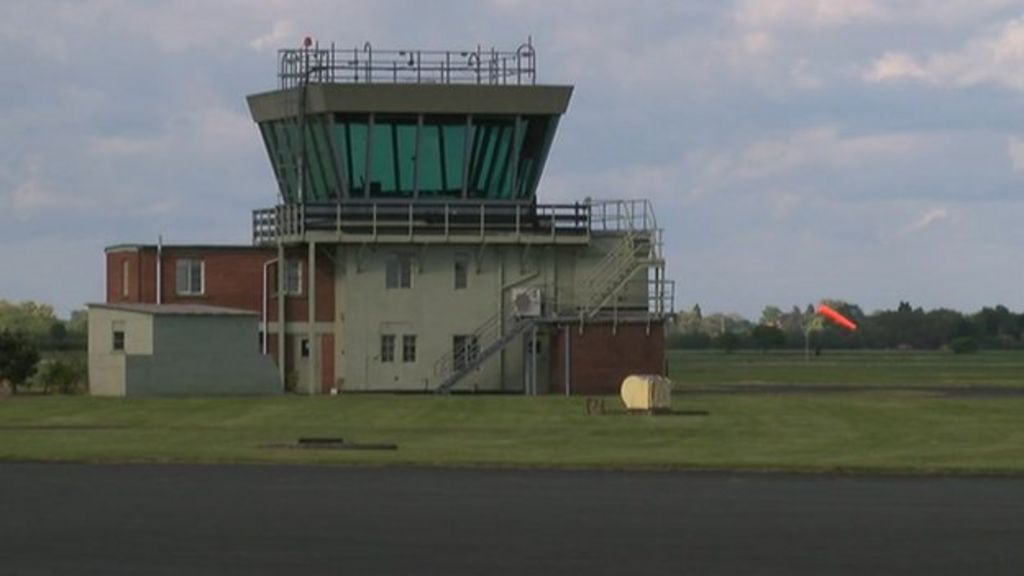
column 18, row 359
column 964, row 345
column 64, row 376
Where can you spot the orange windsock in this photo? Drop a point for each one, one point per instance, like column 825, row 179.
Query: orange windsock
column 836, row 317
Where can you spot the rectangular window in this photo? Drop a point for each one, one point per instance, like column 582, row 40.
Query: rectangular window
column 189, row 277
column 398, row 273
column 465, row 349
column 387, row 347
column 461, row 273
column 304, row 347
column 409, row 348
column 118, row 336
column 293, row 277
column 124, row 278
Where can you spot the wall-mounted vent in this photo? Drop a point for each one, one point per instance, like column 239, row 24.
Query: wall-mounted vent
column 526, row 302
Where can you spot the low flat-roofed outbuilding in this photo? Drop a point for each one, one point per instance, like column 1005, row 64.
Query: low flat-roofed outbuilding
column 176, row 349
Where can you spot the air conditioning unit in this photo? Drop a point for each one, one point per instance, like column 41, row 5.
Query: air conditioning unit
column 526, row 301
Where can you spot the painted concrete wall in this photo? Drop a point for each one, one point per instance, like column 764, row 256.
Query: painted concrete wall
column 203, row 355
column 106, row 365
column 434, row 311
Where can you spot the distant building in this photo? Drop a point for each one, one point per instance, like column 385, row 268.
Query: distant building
column 412, row 196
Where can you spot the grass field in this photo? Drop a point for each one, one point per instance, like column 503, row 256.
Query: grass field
column 877, row 431
column 845, row 368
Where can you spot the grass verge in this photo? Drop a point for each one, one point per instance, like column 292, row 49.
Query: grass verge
column 887, row 432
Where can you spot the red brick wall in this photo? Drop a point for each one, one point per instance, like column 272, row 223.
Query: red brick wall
column 233, row 277
column 297, row 306
column 601, row 359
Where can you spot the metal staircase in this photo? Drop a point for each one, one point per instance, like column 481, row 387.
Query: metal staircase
column 636, row 250
column 491, row 337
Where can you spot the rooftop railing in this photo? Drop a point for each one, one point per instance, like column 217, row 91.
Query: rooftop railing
column 316, row 64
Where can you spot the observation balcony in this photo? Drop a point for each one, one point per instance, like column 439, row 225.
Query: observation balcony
column 405, row 222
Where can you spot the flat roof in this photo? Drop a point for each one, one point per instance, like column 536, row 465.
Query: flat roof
column 412, row 99
column 173, row 309
column 236, row 247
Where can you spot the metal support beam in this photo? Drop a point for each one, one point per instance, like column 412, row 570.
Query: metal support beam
column 282, row 368
column 314, row 347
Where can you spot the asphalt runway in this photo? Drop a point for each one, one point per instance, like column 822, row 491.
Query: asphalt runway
column 143, row 519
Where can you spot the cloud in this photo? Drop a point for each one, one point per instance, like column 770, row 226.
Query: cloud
column 276, row 38
column 821, row 147
column 29, row 191
column 996, row 59
column 806, row 13
column 929, row 218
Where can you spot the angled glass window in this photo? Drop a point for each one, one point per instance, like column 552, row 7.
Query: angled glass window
column 442, row 156
column 393, row 149
column 349, row 134
column 490, row 159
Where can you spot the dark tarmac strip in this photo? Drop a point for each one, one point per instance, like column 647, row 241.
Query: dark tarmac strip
column 142, row 519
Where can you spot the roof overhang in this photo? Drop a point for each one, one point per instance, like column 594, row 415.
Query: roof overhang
column 412, row 99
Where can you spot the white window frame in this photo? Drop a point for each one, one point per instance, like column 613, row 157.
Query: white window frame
column 398, row 272
column 184, row 267
column 289, row 289
column 117, row 327
column 409, row 348
column 387, row 348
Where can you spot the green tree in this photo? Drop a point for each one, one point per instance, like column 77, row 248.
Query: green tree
column 18, row 359
column 768, row 337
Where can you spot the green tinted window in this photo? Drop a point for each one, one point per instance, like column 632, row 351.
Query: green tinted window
column 349, row 134
column 394, row 156
column 489, row 170
column 442, row 157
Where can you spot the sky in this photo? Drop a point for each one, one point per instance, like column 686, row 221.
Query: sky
column 864, row 150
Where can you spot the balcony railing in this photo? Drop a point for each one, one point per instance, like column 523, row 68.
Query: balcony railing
column 412, row 221
column 364, row 64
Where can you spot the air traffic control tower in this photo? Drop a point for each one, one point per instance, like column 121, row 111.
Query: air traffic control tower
column 413, row 251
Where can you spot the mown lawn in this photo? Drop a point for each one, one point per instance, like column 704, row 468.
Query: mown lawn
column 872, row 368
column 878, row 431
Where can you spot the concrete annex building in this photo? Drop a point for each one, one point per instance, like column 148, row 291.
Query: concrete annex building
column 409, row 250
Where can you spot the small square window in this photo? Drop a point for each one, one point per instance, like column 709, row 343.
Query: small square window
column 189, row 277
column 398, row 273
column 409, row 348
column 117, row 343
column 387, row 347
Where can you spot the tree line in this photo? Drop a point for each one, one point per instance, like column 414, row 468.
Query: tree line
column 41, row 326
column 994, row 327
column 32, row 340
